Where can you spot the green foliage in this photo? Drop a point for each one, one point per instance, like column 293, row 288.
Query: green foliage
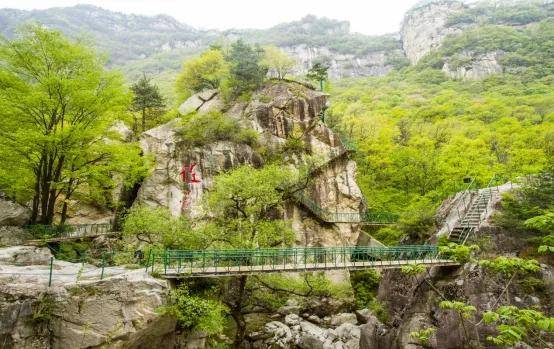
column 207, row 71
column 316, row 32
column 412, row 269
column 465, row 311
column 147, row 101
column 547, row 244
column 195, row 312
column 53, row 145
column 517, row 324
column 423, row 336
column 458, row 253
column 202, row 129
column 364, row 284
column 73, row 251
column 528, row 211
column 243, row 200
column 277, row 61
column 419, row 134
column 506, row 13
column 43, row 308
column 543, row 223
column 526, row 52
column 389, row 236
column 508, row 266
column 158, row 228
column 246, row 71
column 318, row 73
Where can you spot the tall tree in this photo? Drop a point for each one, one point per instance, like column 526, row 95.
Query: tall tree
column 147, row 100
column 245, row 202
column 318, row 72
column 246, row 71
column 204, row 72
column 57, row 104
column 279, row 63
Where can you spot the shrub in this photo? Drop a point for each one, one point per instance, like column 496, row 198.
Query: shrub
column 201, row 129
column 194, row 312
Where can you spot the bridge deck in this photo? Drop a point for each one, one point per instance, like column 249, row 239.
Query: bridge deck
column 184, row 272
column 194, row 263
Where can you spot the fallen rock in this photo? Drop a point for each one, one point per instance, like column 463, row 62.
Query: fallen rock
column 363, row 315
column 339, row 319
column 196, row 101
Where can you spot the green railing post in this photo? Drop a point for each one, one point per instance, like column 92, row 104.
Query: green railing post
column 50, row 273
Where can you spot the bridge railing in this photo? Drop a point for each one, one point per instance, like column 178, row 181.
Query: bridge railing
column 281, row 259
column 69, row 230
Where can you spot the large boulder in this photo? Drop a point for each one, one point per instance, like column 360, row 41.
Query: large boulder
column 12, row 213
column 24, row 256
column 12, row 236
column 79, row 310
column 203, row 101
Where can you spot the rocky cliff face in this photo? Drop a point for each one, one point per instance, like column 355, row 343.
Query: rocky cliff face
column 183, row 174
column 341, row 65
column 424, row 28
column 79, row 310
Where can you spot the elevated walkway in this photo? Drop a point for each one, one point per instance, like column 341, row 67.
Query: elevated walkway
column 208, row 263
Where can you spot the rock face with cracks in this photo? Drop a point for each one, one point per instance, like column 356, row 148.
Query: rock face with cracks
column 277, row 112
column 79, row 310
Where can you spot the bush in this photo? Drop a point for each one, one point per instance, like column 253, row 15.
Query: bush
column 201, row 129
column 194, row 312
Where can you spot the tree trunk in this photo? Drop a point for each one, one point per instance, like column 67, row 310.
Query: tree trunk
column 45, row 189
column 236, row 312
column 143, row 119
column 68, row 192
column 53, row 193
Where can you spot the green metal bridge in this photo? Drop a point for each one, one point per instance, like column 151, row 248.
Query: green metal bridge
column 174, row 264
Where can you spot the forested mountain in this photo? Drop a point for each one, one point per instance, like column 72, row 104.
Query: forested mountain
column 329, row 190
column 159, row 45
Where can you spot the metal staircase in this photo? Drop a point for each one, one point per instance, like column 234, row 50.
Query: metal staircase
column 474, row 215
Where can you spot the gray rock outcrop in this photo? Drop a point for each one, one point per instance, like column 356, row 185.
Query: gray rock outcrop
column 12, row 213
column 424, row 27
column 79, row 310
column 183, row 173
column 479, row 67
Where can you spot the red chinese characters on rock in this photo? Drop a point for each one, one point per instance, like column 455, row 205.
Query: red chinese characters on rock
column 188, row 177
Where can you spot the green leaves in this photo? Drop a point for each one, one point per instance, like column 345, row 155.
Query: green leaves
column 517, row 324
column 207, row 71
column 508, row 266
column 464, row 310
column 195, row 312
column 458, row 253
column 412, row 269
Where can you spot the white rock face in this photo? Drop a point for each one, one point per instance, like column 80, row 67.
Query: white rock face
column 12, row 213
column 341, row 65
column 479, row 68
column 203, row 101
column 423, row 28
column 83, row 311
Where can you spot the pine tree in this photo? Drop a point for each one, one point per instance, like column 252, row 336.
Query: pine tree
column 147, row 101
